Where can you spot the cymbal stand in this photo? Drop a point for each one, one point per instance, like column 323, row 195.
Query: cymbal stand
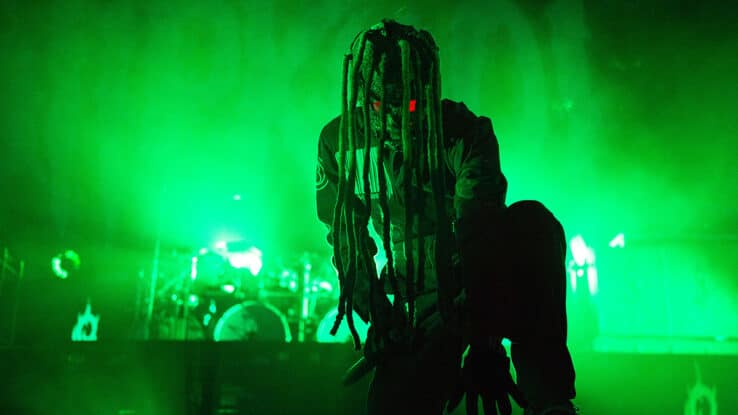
column 6, row 269
column 307, row 297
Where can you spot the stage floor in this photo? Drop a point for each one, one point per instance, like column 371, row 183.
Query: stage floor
column 161, row 378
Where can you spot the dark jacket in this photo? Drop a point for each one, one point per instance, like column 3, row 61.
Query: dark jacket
column 476, row 188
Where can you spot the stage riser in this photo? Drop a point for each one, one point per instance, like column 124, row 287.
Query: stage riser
column 161, row 378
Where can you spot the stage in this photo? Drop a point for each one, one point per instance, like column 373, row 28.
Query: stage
column 161, row 378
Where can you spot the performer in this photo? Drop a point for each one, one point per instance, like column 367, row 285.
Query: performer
column 464, row 270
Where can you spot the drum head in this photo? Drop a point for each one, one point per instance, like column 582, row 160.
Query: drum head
column 343, row 335
column 252, row 321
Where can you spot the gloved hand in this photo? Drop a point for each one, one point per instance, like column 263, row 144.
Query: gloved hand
column 388, row 334
column 486, row 374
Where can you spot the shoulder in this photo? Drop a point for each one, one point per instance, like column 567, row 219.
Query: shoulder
column 330, row 130
column 328, row 140
column 455, row 112
column 461, row 124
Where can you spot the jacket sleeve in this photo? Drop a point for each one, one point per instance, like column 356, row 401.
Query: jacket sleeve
column 475, row 162
column 479, row 202
column 326, row 193
column 326, row 181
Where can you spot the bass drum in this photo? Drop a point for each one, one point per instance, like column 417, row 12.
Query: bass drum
column 252, row 321
column 343, row 335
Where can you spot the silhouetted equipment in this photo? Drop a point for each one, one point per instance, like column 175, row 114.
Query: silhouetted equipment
column 11, row 277
column 224, row 294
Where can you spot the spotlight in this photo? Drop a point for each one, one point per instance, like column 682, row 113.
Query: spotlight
column 618, row 241
column 582, row 264
column 250, row 259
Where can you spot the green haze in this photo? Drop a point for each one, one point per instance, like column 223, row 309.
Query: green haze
column 129, row 121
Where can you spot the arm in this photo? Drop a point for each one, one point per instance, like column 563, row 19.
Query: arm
column 480, row 187
column 479, row 200
column 479, row 203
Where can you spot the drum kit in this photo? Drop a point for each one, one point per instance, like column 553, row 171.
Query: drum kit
column 217, row 297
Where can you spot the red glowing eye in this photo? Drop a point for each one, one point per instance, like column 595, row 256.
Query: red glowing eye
column 412, row 105
column 376, row 105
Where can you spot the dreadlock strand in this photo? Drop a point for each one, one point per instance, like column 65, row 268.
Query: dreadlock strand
column 383, row 198
column 338, row 217
column 420, row 166
column 367, row 257
column 343, row 202
column 349, row 196
column 433, row 167
column 443, row 244
column 359, row 228
column 410, row 196
column 351, row 283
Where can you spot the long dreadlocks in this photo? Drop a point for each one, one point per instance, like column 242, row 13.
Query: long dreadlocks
column 376, row 52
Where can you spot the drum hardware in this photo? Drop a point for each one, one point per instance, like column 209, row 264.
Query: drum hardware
column 209, row 299
column 12, row 272
column 304, row 300
column 300, row 292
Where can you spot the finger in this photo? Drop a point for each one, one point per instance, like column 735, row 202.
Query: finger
column 488, row 403
column 472, row 406
column 451, row 406
column 503, row 404
column 433, row 324
column 454, row 400
column 517, row 396
column 457, row 394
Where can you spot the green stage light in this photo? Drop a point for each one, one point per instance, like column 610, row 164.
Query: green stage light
column 64, row 263
column 618, row 241
column 582, row 265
